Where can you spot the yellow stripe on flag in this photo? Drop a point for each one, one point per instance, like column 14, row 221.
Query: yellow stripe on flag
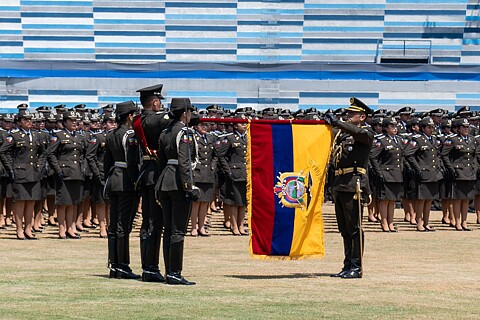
column 311, row 152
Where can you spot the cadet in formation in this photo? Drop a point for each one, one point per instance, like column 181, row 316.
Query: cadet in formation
column 121, row 167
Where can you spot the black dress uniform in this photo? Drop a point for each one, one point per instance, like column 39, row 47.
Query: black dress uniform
column 232, row 150
column 4, row 178
column 445, row 184
column 386, row 159
column 423, row 156
column 351, row 154
column 176, row 155
column 148, row 126
column 6, row 191
column 458, row 155
column 207, row 163
column 87, row 181
column 95, row 159
column 66, row 156
column 23, row 156
column 47, row 188
column 121, row 164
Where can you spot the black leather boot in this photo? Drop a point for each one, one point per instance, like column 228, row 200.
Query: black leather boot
column 174, row 276
column 347, row 248
column 112, row 256
column 123, row 251
column 356, row 261
column 150, row 256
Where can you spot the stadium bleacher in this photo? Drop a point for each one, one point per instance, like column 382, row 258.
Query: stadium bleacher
column 286, row 53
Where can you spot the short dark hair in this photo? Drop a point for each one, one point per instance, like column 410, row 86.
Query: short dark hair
column 147, row 100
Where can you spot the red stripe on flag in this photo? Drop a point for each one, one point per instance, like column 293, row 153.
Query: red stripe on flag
column 263, row 179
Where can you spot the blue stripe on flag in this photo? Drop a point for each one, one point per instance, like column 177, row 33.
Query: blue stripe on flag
column 282, row 140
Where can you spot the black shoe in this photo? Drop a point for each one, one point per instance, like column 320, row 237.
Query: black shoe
column 202, row 234
column 21, row 238
column 62, row 237
column 352, row 274
column 69, row 236
column 445, row 222
column 429, row 229
column 340, row 274
column 152, row 276
column 113, row 273
column 176, row 278
column 126, row 273
column 464, row 229
column 30, row 237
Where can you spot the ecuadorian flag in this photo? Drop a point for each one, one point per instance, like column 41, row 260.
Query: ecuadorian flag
column 287, row 168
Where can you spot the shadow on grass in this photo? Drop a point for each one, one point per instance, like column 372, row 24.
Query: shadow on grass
column 100, row 276
column 279, row 276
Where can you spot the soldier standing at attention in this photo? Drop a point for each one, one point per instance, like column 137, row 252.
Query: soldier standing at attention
column 65, row 155
column 424, row 158
column 176, row 191
column 121, row 163
column 386, row 160
column 148, row 126
column 458, row 156
column 23, row 156
column 352, row 150
column 204, row 175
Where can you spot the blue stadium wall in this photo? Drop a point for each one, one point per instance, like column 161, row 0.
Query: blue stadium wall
column 290, row 54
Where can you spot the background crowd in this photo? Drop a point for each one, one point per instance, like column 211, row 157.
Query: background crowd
column 52, row 167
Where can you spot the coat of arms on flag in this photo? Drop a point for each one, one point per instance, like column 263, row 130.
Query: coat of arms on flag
column 293, row 189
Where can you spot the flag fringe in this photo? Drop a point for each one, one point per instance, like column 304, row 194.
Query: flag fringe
column 249, row 179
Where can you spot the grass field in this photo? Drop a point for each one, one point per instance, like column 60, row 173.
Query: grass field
column 407, row 275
